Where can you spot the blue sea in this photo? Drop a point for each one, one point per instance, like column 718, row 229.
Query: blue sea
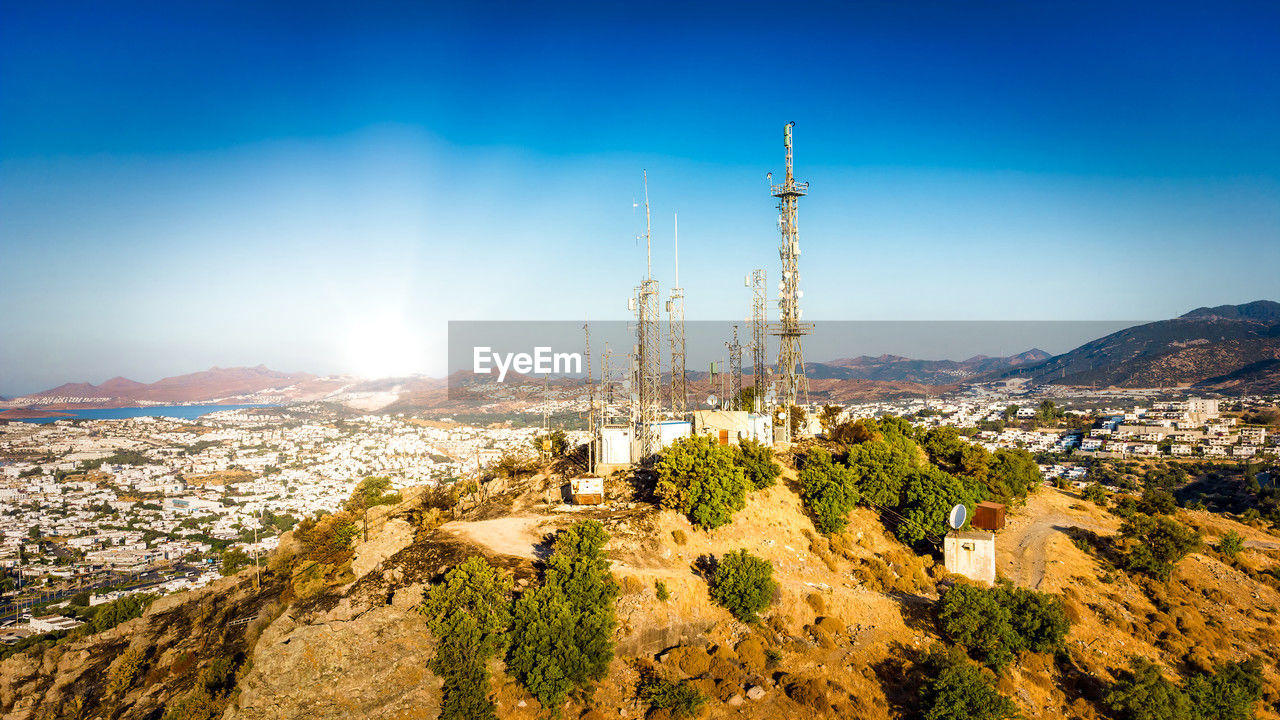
column 180, row 412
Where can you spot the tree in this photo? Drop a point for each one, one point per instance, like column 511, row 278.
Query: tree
column 699, row 478
column 233, row 561
column 952, row 688
column 879, row 470
column 1228, row 693
column 1143, row 693
column 796, row 417
column 469, row 614
column 1012, row 475
column 743, row 584
column 553, row 444
column 562, row 631
column 1230, row 544
column 828, row 416
column 928, row 497
column 995, row 624
column 976, row 619
column 856, row 431
column 756, row 460
column 1096, row 494
column 828, row 489
column 1038, row 619
column 1157, row 501
column 1047, row 413
column 1156, row 544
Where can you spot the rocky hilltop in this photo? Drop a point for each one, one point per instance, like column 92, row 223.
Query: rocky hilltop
column 331, row 627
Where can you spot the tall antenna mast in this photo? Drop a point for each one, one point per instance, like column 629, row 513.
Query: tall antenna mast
column 675, row 332
column 759, row 283
column 795, row 386
column 648, row 357
column 592, row 431
column 734, row 400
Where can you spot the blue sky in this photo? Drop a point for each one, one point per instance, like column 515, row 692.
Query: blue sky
column 323, row 187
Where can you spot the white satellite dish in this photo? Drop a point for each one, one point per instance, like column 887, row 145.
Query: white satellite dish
column 711, row 400
column 957, row 517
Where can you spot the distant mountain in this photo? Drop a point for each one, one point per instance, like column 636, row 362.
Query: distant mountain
column 1263, row 311
column 895, row 368
column 1231, row 348
column 227, row 385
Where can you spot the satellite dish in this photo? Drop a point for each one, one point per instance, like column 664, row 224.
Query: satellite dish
column 957, row 517
column 711, row 400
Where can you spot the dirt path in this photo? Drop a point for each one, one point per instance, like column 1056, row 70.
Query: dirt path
column 516, row 535
column 1025, row 547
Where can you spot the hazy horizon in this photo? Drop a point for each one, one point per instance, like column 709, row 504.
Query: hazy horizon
column 185, row 187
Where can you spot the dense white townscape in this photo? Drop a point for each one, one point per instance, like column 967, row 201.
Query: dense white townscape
column 150, row 504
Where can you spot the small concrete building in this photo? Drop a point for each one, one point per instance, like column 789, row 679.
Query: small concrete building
column 729, row 427
column 971, row 553
column 615, row 445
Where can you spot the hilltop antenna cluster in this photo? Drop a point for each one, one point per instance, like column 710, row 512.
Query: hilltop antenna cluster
column 789, row 329
column 648, row 362
column 759, row 283
column 675, row 331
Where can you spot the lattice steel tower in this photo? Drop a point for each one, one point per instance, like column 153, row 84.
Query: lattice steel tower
column 759, row 283
column 795, row 387
column 648, row 353
column 675, row 332
column 734, row 401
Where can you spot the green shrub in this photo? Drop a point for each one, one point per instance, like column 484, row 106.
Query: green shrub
column 1156, row 544
column 1143, row 693
column 1230, row 544
column 661, row 589
column 562, row 631
column 699, row 478
column 109, row 615
column 928, row 496
column 952, row 688
column 977, row 619
column 1096, row 493
column 829, row 491
column 756, row 460
column 743, row 584
column 995, row 624
column 469, row 613
column 1228, row 693
column 680, row 700
column 233, row 561
column 125, row 671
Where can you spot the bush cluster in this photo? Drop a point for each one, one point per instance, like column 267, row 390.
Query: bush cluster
column 953, row 688
column 743, row 584
column 700, row 478
column 562, row 630
column 912, row 478
column 995, row 624
column 1229, row 692
column 469, row 614
column 1156, row 544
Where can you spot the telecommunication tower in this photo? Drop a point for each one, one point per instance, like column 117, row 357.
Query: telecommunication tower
column 734, row 398
column 675, row 332
column 789, row 329
column 648, row 361
column 592, row 428
column 759, row 283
